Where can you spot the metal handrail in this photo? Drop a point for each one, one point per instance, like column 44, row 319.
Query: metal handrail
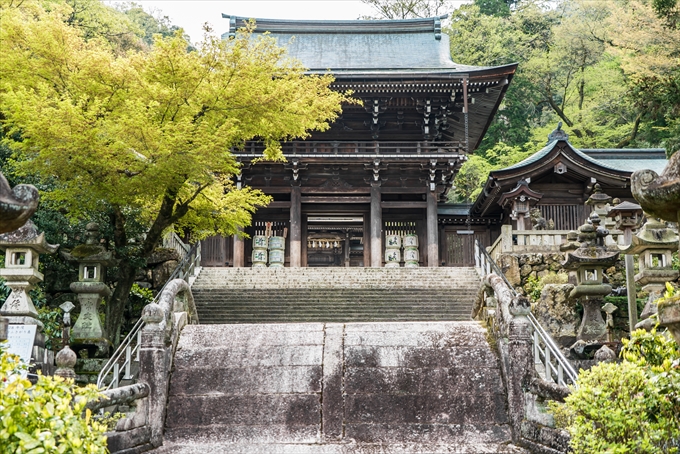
column 545, row 349
column 129, row 347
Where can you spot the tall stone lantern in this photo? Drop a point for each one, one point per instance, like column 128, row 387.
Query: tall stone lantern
column 659, row 195
column 22, row 249
column 92, row 259
column 654, row 244
column 590, row 260
column 628, row 217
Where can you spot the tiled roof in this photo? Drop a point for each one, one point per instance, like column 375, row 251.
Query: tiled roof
column 408, row 46
column 620, row 159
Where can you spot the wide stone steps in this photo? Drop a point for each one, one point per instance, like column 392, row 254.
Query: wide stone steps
column 243, row 295
column 332, row 388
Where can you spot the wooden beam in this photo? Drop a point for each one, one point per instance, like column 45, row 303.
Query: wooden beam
column 317, row 190
column 275, row 189
column 279, row 204
column 335, row 199
column 418, row 190
column 403, row 204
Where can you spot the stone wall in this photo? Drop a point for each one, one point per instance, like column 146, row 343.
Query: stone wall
column 520, row 268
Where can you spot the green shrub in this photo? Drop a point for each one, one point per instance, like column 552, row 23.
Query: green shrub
column 534, row 286
column 629, row 407
column 46, row 417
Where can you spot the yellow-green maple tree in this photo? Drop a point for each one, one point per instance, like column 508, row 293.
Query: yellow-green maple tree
column 149, row 132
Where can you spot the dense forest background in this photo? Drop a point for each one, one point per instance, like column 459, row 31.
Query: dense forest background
column 609, row 70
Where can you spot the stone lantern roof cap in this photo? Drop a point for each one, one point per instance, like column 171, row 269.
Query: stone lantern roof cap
column 653, row 235
column 27, row 236
column 592, row 250
column 598, row 196
column 91, row 251
column 625, row 207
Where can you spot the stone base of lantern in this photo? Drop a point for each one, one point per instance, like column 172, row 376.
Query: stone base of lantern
column 24, row 320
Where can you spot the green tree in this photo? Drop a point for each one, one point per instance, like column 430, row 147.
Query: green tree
column 148, row 134
column 408, row 9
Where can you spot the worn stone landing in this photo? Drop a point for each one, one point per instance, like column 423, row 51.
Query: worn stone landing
column 336, row 388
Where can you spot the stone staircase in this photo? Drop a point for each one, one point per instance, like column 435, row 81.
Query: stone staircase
column 332, row 388
column 289, row 295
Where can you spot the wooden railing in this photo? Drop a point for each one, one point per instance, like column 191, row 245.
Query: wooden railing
column 354, row 148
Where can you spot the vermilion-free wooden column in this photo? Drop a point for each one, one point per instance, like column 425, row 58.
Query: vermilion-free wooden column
column 239, row 251
column 376, row 227
column 295, row 228
column 432, row 232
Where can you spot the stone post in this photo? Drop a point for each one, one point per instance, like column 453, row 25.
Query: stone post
column 153, row 369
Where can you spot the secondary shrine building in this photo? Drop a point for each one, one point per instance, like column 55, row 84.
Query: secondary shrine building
column 384, row 168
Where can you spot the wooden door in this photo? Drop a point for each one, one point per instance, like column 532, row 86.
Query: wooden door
column 460, row 246
column 215, row 251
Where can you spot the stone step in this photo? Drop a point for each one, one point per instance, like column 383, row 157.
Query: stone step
column 336, row 388
column 464, row 446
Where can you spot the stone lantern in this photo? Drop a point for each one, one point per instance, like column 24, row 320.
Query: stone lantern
column 589, row 261
column 92, row 259
column 520, row 201
column 654, row 244
column 22, row 249
column 599, row 201
column 659, row 195
column 628, row 216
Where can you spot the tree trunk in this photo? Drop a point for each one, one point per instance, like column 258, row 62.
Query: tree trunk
column 127, row 272
column 115, row 308
column 633, row 134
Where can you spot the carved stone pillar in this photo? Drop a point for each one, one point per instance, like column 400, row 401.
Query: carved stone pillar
column 432, row 232
column 295, row 228
column 376, row 227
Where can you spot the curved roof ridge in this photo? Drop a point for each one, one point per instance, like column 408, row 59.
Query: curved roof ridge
column 430, row 24
column 547, row 149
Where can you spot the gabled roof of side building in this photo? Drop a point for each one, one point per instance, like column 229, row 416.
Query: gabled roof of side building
column 611, row 166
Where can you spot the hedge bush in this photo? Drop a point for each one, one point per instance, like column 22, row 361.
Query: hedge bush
column 48, row 417
column 627, row 407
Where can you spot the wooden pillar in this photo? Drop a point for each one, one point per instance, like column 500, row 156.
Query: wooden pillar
column 376, row 227
column 432, row 232
column 303, row 240
column 295, row 228
column 367, row 240
column 239, row 250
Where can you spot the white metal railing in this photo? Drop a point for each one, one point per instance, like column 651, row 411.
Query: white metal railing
column 127, row 353
column 551, row 364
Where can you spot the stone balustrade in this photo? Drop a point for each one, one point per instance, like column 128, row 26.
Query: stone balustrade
column 507, row 315
column 164, row 321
